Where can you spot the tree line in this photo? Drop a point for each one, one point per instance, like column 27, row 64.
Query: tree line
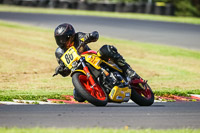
column 182, row 7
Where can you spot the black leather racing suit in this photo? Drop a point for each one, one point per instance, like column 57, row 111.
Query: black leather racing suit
column 78, row 40
column 106, row 52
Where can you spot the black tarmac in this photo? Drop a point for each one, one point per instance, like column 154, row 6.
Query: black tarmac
column 168, row 33
column 157, row 116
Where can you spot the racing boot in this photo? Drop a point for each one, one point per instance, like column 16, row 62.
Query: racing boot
column 127, row 70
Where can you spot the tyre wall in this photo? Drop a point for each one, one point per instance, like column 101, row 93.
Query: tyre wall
column 147, row 8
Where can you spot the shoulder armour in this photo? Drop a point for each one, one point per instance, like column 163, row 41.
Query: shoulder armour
column 58, row 53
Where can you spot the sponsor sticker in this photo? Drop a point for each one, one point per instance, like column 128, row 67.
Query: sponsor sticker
column 112, row 93
column 126, row 99
column 127, row 94
column 118, row 97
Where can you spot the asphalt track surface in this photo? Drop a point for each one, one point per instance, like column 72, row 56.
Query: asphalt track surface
column 158, row 116
column 176, row 34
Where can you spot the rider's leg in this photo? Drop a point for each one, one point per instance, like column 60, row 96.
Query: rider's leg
column 110, row 52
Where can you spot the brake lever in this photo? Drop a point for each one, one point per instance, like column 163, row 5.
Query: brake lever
column 55, row 74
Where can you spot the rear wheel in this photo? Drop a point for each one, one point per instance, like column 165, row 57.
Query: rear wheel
column 93, row 94
column 143, row 96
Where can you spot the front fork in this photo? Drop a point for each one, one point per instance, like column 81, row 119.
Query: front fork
column 89, row 76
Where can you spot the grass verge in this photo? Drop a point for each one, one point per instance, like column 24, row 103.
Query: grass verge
column 190, row 20
column 92, row 130
column 27, row 63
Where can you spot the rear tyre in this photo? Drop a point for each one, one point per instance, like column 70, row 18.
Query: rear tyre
column 142, row 97
column 96, row 95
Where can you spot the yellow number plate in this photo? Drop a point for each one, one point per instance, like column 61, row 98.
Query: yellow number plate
column 70, row 56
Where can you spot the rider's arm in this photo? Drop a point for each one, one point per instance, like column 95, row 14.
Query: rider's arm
column 91, row 37
column 88, row 37
column 61, row 69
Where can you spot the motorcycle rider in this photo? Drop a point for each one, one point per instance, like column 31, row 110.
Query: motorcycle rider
column 66, row 37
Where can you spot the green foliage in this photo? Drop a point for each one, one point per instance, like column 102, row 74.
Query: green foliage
column 31, row 97
column 170, row 70
column 176, row 92
column 185, row 8
column 94, row 130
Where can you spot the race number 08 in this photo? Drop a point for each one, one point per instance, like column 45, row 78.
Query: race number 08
column 69, row 58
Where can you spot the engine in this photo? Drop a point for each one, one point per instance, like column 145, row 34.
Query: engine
column 111, row 79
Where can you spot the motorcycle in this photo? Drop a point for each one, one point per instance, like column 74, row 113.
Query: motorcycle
column 99, row 81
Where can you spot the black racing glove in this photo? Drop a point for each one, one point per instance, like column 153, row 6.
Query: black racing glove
column 62, row 70
column 91, row 37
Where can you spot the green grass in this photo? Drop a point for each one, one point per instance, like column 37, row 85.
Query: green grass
column 27, row 63
column 191, row 20
column 93, row 130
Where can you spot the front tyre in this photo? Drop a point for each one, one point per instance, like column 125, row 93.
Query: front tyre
column 77, row 96
column 142, row 96
column 95, row 95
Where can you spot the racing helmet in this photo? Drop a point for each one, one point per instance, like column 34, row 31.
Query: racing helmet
column 64, row 35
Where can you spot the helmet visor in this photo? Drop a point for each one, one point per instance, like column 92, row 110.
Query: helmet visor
column 64, row 41
column 69, row 42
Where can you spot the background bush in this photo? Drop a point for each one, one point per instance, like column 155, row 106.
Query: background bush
column 186, row 8
column 182, row 7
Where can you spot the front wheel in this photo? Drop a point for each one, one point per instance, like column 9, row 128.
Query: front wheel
column 77, row 96
column 93, row 94
column 142, row 96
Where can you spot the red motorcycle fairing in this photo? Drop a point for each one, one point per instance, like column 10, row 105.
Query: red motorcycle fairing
column 89, row 52
column 137, row 81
